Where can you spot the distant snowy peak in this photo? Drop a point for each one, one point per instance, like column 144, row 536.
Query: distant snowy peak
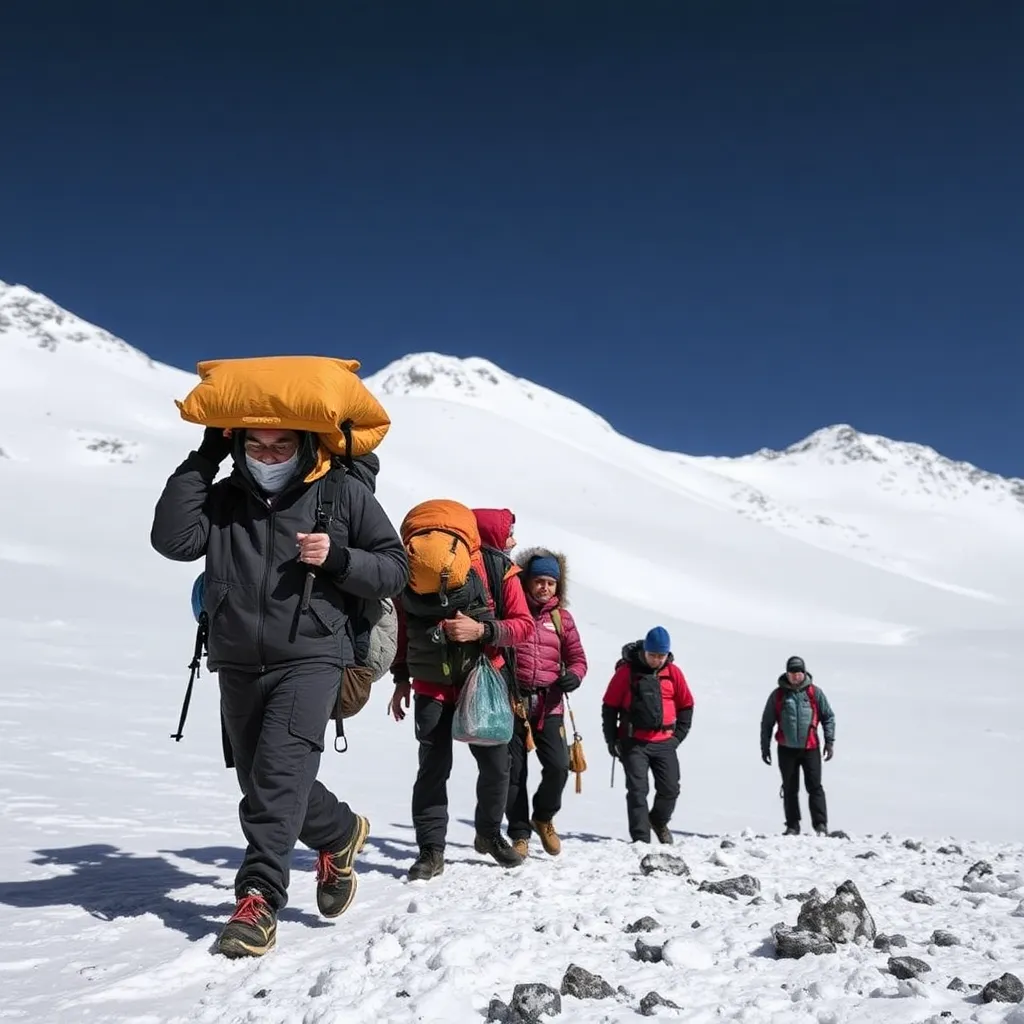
column 41, row 322
column 842, row 444
column 475, row 381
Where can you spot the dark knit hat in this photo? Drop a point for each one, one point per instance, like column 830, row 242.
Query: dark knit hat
column 658, row 641
column 796, row 664
column 544, row 565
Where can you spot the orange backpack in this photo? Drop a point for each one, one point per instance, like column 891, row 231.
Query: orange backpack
column 440, row 538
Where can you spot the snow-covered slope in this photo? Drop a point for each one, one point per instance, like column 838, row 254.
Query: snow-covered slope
column 899, row 580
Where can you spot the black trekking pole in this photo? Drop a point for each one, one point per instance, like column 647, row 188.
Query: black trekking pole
column 613, row 773
column 194, row 664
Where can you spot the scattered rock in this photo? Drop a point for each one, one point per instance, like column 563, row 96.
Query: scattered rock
column 907, row 967
column 584, row 985
column 1007, row 989
column 695, row 924
column 918, row 896
column 866, row 855
column 262, row 994
column 838, row 834
column 534, row 999
column 757, row 901
column 643, row 924
column 648, row 954
column 734, row 888
column 957, row 985
column 899, row 941
column 664, row 863
column 912, row 844
column 976, row 872
column 502, row 1014
column 883, row 942
column 726, row 844
column 650, row 1003
column 803, row 897
column 951, row 850
column 940, row 937
column 794, row 943
column 402, row 994
column 1019, row 912
column 844, row 918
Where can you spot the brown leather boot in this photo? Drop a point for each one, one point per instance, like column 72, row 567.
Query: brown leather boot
column 522, row 847
column 548, row 837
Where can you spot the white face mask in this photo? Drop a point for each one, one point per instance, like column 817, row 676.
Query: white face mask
column 272, row 477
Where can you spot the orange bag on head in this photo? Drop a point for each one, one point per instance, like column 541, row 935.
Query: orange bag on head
column 440, row 538
column 311, row 393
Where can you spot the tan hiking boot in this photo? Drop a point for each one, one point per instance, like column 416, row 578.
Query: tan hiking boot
column 522, row 847
column 548, row 837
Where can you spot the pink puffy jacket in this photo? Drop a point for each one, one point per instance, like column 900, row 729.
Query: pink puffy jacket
column 543, row 656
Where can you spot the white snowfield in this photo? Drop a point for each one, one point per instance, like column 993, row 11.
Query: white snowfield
column 896, row 574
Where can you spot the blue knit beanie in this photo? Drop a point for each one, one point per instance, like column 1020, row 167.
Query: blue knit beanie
column 658, row 641
column 544, row 565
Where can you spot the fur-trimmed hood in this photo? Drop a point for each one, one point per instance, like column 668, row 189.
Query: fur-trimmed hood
column 524, row 558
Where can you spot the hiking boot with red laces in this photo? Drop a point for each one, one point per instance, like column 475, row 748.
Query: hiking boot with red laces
column 336, row 881
column 252, row 929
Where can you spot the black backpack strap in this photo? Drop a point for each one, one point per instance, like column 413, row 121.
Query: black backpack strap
column 327, row 494
column 497, row 564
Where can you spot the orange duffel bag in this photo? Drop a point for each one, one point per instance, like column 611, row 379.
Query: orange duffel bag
column 312, row 393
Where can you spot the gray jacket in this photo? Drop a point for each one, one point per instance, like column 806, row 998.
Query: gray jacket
column 253, row 579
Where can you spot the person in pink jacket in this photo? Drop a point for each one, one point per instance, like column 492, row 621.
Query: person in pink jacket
column 548, row 665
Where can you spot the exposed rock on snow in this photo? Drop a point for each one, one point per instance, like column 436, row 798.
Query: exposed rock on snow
column 844, row 918
column 643, row 924
column 1007, row 989
column 664, row 863
column 918, row 896
column 745, row 885
column 907, row 967
column 651, row 1002
column 582, row 984
column 794, row 943
column 941, row 937
column 648, row 954
column 533, row 1000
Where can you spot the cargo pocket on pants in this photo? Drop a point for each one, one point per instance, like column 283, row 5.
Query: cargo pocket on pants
column 309, row 717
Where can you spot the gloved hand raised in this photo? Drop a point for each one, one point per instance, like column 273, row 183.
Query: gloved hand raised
column 215, row 446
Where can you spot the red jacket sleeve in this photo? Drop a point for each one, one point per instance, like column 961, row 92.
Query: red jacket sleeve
column 517, row 625
column 573, row 656
column 684, row 699
column 618, row 688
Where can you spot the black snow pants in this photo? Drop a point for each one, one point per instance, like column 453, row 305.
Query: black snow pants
column 430, row 792
column 274, row 726
column 791, row 760
column 553, row 754
column 660, row 759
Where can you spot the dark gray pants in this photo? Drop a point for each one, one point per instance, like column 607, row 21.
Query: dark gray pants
column 430, row 791
column 553, row 754
column 661, row 761
column 791, row 760
column 275, row 724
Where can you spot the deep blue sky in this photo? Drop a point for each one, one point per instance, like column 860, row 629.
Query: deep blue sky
column 721, row 225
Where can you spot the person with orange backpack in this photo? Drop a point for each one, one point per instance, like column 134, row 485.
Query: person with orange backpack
column 448, row 616
column 796, row 707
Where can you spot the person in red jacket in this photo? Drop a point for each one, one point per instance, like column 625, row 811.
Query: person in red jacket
column 548, row 664
column 647, row 713
column 434, row 708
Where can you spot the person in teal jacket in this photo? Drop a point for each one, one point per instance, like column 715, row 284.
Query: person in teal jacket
column 795, row 709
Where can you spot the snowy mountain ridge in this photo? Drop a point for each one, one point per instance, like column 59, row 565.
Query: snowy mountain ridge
column 37, row 319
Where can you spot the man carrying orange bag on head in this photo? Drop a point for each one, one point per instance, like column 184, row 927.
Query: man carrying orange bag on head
column 278, row 644
column 450, row 614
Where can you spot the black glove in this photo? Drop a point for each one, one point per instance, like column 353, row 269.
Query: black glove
column 215, row 446
column 766, row 756
column 567, row 682
column 828, row 751
column 613, row 749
